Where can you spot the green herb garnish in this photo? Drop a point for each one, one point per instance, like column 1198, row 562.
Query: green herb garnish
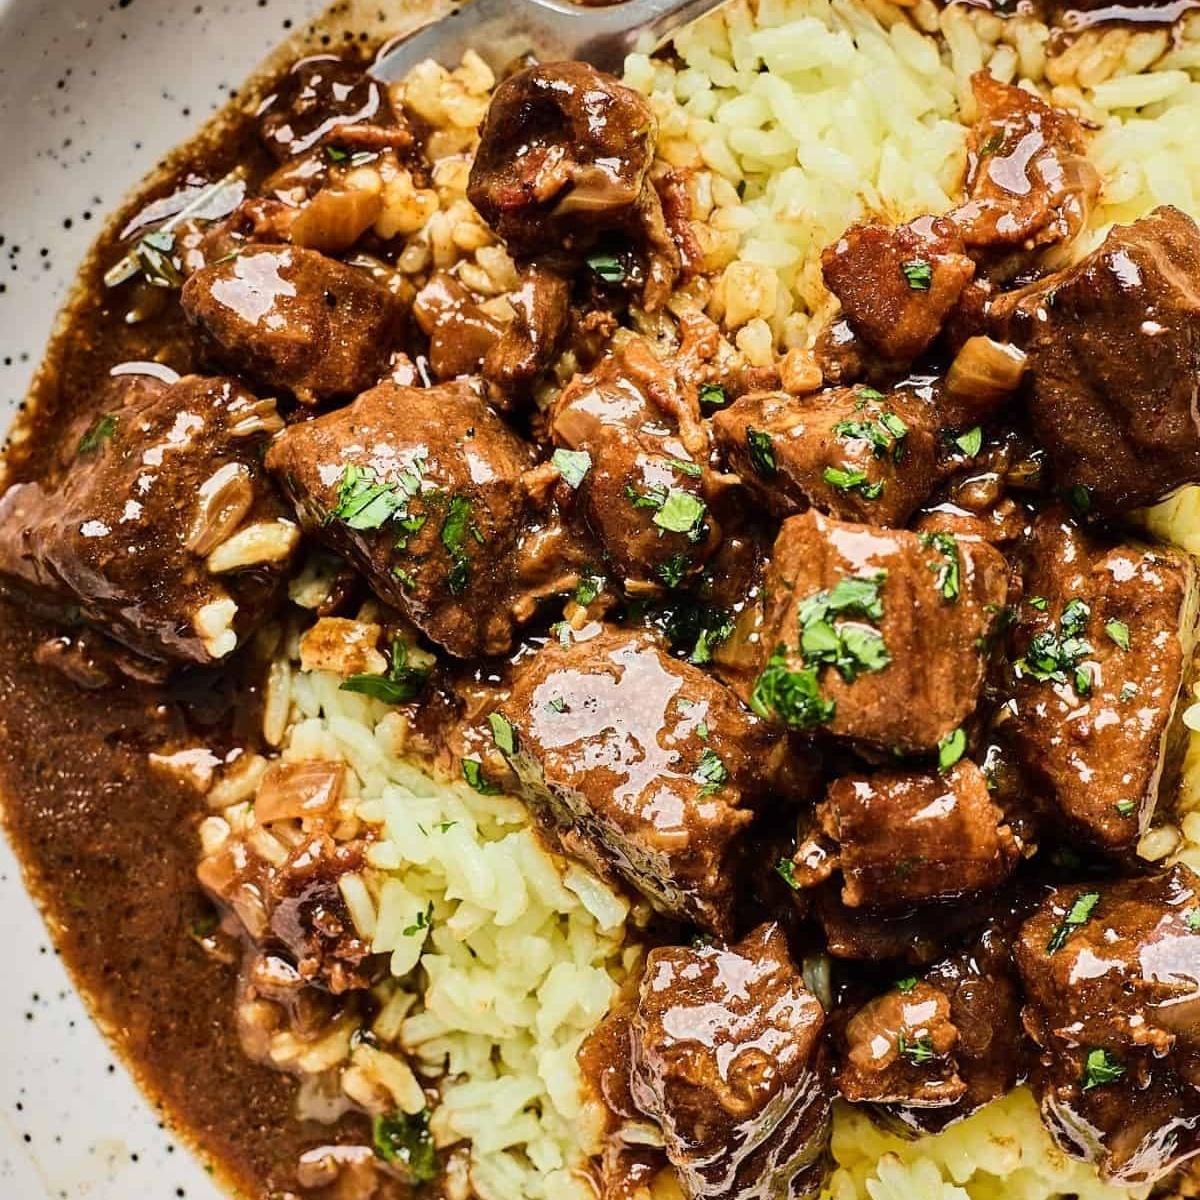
column 919, row 1052
column 472, row 771
column 762, row 452
column 681, row 512
column 572, row 465
column 918, row 273
column 971, row 442
column 712, row 393
column 711, row 772
column 1101, row 1068
column 951, row 748
column 101, row 430
column 405, row 1142
column 1078, row 914
column 1119, row 632
column 794, row 697
column 853, row 480
column 607, row 267
column 948, row 572
column 503, row 733
column 786, row 870
column 399, row 685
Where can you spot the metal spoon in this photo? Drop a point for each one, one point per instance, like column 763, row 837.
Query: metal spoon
column 501, row 31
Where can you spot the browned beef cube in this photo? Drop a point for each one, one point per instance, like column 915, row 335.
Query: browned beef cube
column 162, row 530
column 295, row 319
column 1101, row 650
column 728, row 1059
column 877, row 636
column 1112, row 981
column 937, row 1048
column 898, row 284
column 564, row 156
column 644, row 765
column 643, row 486
column 643, row 498
column 326, row 100
column 908, row 837
column 1029, row 181
column 1114, row 360
column 850, row 452
column 899, row 1050
column 421, row 489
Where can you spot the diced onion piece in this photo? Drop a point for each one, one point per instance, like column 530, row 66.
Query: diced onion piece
column 986, row 369
column 299, row 790
column 224, row 500
column 214, row 623
column 337, row 216
column 260, row 544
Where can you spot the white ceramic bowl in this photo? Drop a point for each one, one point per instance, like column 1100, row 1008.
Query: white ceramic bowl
column 92, row 92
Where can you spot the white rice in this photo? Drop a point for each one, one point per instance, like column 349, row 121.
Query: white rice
column 506, row 955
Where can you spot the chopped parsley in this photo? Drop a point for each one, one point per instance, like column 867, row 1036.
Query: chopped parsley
column 607, row 267
column 1039, row 602
column 907, row 984
column 1059, row 656
column 1192, row 919
column 681, row 512
column 556, row 704
column 572, row 465
column 971, row 442
column 1101, row 1068
column 405, row 1142
column 472, row 771
column 455, row 528
column 1080, row 500
column 1118, row 631
column 853, row 480
column 762, row 452
column 918, row 1051
column 587, row 589
column 693, row 628
column 365, row 502
column 1077, row 915
column 691, row 469
column 786, row 870
column 712, row 393
column 792, row 696
column 423, row 920
column 711, row 772
column 399, row 685
column 885, row 433
column 673, row 569
column 503, row 733
column 918, row 273
column 951, row 748
column 948, row 572
column 337, row 154
column 1125, row 807
column 101, row 430
column 853, row 595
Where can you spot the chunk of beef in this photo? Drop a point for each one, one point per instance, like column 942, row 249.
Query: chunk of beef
column 295, row 319
column 937, row 1048
column 326, row 100
column 1102, row 648
column 564, row 157
column 421, row 489
column 645, row 491
column 906, row 837
column 899, row 1050
column 877, row 636
column 465, row 339
column 1112, row 982
column 163, row 530
column 1123, row 430
column 643, row 498
column 540, row 309
column 643, row 764
column 1029, row 182
column 850, row 452
column 728, row 1059
column 897, row 285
